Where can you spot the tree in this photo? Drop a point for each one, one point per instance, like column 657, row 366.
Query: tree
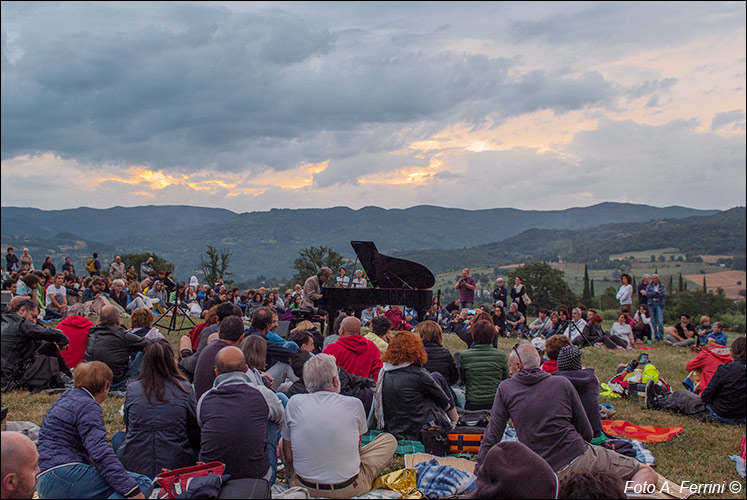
column 586, row 294
column 546, row 286
column 681, row 284
column 662, row 258
column 311, row 259
column 670, row 288
column 135, row 259
column 215, row 267
column 592, row 288
column 705, row 288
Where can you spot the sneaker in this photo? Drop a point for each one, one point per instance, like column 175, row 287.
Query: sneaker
column 650, row 398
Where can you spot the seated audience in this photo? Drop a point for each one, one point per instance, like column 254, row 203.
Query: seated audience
column 512, row 470
column 440, row 359
column 585, row 383
column 21, row 338
column 716, row 336
column 709, row 358
column 379, row 333
column 110, row 343
column 56, row 300
column 621, row 328
column 357, row 355
column 142, row 324
column 308, row 326
column 137, row 299
column 541, row 325
column 516, row 323
column 499, row 318
column 231, row 333
column 159, row 416
column 75, row 458
column 234, row 418
column 482, row 367
column 159, row 297
column 593, row 334
column 724, row 400
column 409, row 398
column 327, row 459
column 550, row 419
column 683, row 333
column 397, row 318
column 642, row 324
column 95, row 290
column 553, row 345
column 19, row 466
column 118, row 294
column 593, row 484
column 76, row 329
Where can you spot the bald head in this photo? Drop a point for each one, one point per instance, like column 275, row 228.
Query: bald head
column 350, row 326
column 109, row 315
column 527, row 358
column 230, row 359
column 19, row 466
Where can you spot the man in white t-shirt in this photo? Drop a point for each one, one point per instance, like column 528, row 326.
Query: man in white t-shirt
column 56, row 300
column 322, row 435
column 342, row 280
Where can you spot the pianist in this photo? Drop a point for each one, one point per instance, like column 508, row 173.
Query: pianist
column 312, row 289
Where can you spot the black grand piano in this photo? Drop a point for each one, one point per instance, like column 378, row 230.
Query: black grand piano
column 395, row 282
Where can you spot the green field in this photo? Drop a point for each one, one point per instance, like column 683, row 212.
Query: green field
column 699, row 455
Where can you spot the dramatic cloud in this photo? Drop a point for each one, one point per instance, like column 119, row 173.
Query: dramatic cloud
column 253, row 105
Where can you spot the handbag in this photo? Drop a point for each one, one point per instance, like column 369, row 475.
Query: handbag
column 526, row 299
column 435, row 440
column 174, row 482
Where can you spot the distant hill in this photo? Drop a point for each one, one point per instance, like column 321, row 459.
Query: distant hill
column 266, row 243
column 107, row 224
column 722, row 233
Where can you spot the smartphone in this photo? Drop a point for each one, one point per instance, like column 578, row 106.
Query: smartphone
column 471, row 311
column 643, row 359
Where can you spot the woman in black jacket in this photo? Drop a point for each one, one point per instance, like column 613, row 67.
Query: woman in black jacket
column 407, row 396
column 159, row 416
column 439, row 358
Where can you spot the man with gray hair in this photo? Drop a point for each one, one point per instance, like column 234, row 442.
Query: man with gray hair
column 312, row 292
column 19, row 466
column 550, row 419
column 327, row 459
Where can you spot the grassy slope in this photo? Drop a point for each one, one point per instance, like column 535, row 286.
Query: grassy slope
column 698, row 455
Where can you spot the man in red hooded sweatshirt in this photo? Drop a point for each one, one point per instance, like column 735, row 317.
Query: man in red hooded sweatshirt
column 76, row 329
column 708, row 360
column 354, row 353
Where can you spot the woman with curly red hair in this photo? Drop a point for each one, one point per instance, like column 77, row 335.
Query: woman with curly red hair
column 407, row 396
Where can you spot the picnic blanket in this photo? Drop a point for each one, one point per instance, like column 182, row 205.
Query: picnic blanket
column 645, row 433
column 642, row 454
column 404, row 446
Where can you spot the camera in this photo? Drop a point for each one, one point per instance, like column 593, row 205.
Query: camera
column 471, row 312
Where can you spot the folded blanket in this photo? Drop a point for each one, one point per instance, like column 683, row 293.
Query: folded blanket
column 404, row 446
column 645, row 433
column 441, row 481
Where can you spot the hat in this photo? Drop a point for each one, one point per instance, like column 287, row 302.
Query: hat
column 569, row 358
column 513, row 470
column 538, row 343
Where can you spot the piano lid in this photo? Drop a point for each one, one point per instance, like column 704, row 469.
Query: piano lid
column 391, row 272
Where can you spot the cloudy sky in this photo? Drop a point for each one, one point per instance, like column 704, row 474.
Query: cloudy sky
column 250, row 106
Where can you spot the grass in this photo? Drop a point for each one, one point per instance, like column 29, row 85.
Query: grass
column 699, row 455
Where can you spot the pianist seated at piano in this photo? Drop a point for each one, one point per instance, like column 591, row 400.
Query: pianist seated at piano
column 312, row 288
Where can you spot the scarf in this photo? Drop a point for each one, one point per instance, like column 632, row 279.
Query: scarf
column 379, row 396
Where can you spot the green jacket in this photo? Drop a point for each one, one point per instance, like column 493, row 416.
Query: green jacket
column 482, row 367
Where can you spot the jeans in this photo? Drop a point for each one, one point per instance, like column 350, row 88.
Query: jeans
column 118, row 440
column 82, row 481
column 273, row 434
column 657, row 320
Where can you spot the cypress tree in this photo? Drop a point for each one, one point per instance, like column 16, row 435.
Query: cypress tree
column 586, row 295
column 681, row 284
column 705, row 288
column 592, row 289
column 670, row 288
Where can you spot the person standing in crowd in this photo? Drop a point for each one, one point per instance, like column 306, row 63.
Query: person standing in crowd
column 67, row 267
column 466, row 287
column 27, row 262
column 117, row 269
column 500, row 292
column 48, row 266
column 625, row 293
column 146, row 268
column 656, row 293
column 11, row 260
column 19, row 466
column 518, row 292
column 641, row 290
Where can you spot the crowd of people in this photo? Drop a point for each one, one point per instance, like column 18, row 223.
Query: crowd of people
column 237, row 392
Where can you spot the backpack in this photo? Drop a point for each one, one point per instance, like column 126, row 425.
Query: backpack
column 90, row 267
column 42, row 373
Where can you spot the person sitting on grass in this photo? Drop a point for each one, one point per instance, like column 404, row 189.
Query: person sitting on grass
column 75, row 458
column 550, row 419
column 585, row 383
column 408, row 397
column 440, row 358
column 683, row 333
column 553, row 345
column 621, row 328
column 379, row 333
column 709, row 358
column 717, row 336
column 325, row 458
column 724, row 400
column 516, row 323
column 543, row 324
column 593, row 334
column 482, row 367
column 703, row 329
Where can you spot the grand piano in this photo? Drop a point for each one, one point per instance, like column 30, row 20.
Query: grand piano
column 395, row 282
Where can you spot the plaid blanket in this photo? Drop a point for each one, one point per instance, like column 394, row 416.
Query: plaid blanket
column 642, row 454
column 404, row 446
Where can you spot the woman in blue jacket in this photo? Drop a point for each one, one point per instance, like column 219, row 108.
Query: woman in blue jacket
column 75, row 458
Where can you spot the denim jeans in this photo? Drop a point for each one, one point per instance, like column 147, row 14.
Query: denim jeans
column 657, row 320
column 82, row 481
column 273, row 434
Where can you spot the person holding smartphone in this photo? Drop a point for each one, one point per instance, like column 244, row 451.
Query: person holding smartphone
column 466, row 287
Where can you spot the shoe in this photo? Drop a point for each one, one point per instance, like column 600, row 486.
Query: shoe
column 650, row 398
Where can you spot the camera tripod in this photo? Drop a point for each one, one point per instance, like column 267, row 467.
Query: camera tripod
column 175, row 310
